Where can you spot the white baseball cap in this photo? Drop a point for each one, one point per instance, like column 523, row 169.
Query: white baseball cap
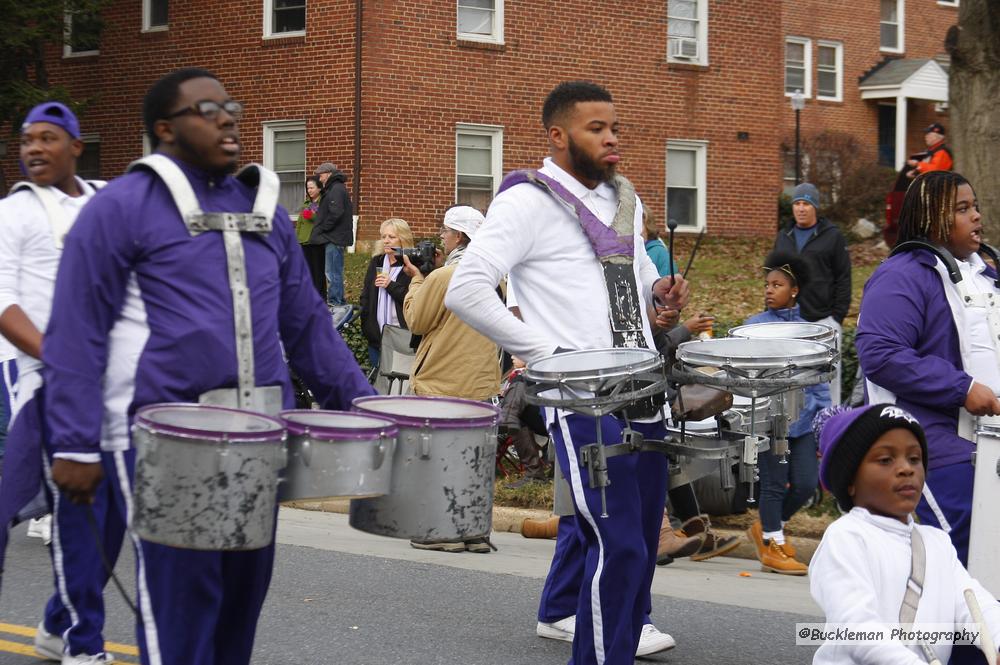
column 464, row 218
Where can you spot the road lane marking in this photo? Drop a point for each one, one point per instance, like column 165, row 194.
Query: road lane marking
column 28, row 631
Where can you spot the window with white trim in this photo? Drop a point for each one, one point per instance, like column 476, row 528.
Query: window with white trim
column 284, row 18
column 82, row 33
column 891, row 26
column 480, row 20
column 285, row 154
column 687, row 31
column 686, row 178
column 948, row 3
column 798, row 65
column 478, row 164
column 829, row 71
column 154, row 15
column 88, row 164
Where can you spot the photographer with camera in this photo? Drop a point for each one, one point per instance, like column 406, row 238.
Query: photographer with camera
column 385, row 285
column 453, row 360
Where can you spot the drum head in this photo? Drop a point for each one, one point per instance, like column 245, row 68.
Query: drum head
column 753, row 353
column 213, row 423
column 416, row 411
column 336, row 424
column 816, row 332
column 591, row 362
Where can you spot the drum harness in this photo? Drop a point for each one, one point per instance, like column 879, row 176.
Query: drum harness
column 247, row 396
column 614, row 247
column 58, row 223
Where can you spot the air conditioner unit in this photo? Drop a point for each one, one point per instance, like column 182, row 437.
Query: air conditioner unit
column 683, row 48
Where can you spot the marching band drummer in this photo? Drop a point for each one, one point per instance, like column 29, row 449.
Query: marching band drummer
column 923, row 346
column 150, row 302
column 530, row 222
column 33, row 221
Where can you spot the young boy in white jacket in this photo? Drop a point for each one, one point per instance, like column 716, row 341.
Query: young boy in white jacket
column 874, row 460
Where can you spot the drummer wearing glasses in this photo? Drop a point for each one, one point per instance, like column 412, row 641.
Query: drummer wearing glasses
column 146, row 312
column 530, row 221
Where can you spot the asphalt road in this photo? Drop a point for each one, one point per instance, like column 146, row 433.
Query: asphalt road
column 341, row 596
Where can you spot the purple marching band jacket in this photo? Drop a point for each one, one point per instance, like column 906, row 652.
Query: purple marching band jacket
column 911, row 352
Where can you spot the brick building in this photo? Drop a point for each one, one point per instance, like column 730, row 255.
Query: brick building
column 429, row 103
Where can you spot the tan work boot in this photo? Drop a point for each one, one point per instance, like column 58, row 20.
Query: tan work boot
column 714, row 545
column 540, row 528
column 756, row 535
column 675, row 544
column 789, row 549
column 776, row 561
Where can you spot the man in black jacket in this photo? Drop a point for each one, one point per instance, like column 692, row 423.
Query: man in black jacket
column 334, row 228
column 819, row 241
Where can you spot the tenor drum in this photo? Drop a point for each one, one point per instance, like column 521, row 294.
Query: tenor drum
column 984, row 531
column 206, row 477
column 814, row 332
column 336, row 454
column 756, row 410
column 595, row 382
column 442, row 472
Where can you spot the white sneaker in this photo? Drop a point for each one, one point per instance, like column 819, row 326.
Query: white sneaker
column 652, row 640
column 564, row 629
column 47, row 645
column 85, row 659
column 41, row 528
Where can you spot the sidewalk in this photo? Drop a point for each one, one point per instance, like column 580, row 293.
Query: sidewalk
column 508, row 520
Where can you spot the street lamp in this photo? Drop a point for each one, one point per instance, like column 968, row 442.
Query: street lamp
column 798, row 103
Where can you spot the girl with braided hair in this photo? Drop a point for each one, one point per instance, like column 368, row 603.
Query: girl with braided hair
column 926, row 343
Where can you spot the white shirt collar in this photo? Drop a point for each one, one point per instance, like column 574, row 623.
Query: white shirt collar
column 884, row 523
column 86, row 191
column 577, row 188
column 974, row 264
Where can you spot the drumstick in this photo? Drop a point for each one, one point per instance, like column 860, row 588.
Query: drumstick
column 672, row 225
column 985, row 638
column 693, row 252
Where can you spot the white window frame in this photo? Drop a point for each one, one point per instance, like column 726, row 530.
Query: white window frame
column 68, row 51
column 269, row 23
column 838, row 63
column 948, row 3
column 496, row 37
column 495, row 132
column 700, row 148
column 900, row 28
column 702, row 36
column 271, row 128
column 807, row 65
column 147, row 17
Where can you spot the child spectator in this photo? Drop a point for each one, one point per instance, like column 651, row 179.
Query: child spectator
column 868, row 567
column 785, row 487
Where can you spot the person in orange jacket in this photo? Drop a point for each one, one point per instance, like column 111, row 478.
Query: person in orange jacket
column 937, row 158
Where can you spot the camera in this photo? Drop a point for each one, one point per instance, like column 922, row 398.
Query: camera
column 422, row 256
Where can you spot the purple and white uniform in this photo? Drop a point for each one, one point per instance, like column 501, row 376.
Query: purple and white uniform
column 143, row 313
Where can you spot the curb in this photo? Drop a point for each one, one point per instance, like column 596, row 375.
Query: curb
column 509, row 520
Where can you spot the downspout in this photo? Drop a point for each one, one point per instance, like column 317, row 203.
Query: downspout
column 358, row 14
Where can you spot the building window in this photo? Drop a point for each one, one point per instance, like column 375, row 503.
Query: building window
column 82, row 35
column 891, row 26
column 88, row 165
column 829, row 71
column 285, row 154
column 686, row 179
column 798, row 65
column 284, row 18
column 480, row 20
column 948, row 3
column 154, row 15
column 687, row 31
column 478, row 164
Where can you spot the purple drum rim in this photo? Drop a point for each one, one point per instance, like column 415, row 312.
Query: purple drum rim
column 337, row 432
column 275, row 435
column 438, row 422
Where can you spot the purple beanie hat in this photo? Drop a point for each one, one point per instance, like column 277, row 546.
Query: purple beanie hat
column 845, row 435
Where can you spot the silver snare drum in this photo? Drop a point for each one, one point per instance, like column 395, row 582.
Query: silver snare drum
column 442, row 471
column 595, row 382
column 206, row 477
column 337, row 454
column 813, row 332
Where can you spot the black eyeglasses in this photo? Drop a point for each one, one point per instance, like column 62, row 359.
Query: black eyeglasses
column 209, row 110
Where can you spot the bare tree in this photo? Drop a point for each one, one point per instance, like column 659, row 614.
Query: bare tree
column 974, row 89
